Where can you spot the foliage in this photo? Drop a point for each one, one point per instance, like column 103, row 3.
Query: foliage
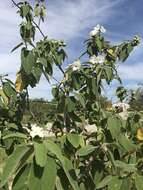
column 73, row 158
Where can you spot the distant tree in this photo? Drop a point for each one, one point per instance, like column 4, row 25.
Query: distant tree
column 40, row 111
column 136, row 100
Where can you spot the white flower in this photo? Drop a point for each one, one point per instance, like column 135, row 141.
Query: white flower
column 76, row 65
column 97, row 59
column 91, row 128
column 102, row 29
column 39, row 131
column 49, row 126
column 122, row 105
column 96, row 30
column 36, row 131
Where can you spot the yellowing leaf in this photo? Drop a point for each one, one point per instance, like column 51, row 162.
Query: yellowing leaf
column 140, row 134
column 111, row 53
column 20, row 83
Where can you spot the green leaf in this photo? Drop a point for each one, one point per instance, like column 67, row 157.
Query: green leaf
column 121, row 93
column 37, row 72
column 25, row 9
column 27, row 60
column 40, row 153
column 123, row 52
column 98, row 43
column 109, row 73
column 76, row 82
column 60, row 56
column 12, row 163
column 70, row 104
column 139, row 182
column 70, row 173
column 75, row 139
column 12, row 126
column 43, row 61
column 114, row 125
column 43, row 178
column 125, row 167
column 115, row 183
column 129, row 48
column 15, row 135
column 9, row 90
column 125, row 184
column 55, row 91
column 37, row 10
column 86, row 150
column 126, row 143
column 80, row 98
column 53, row 148
column 104, row 182
column 94, row 86
column 20, row 180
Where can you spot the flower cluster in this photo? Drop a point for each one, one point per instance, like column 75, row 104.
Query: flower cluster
column 76, row 65
column 122, row 105
column 97, row 30
column 39, row 131
column 97, row 59
column 59, row 42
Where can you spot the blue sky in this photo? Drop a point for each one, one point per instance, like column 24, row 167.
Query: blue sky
column 72, row 20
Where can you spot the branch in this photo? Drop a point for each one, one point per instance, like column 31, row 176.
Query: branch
column 15, row 4
column 61, row 69
column 38, row 28
column 36, row 25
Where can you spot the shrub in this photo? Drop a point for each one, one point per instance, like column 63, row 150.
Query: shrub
column 73, row 157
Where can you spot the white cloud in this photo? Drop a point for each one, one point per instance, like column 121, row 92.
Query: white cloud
column 131, row 72
column 68, row 19
column 9, row 63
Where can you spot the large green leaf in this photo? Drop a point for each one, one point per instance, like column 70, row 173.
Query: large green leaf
column 126, row 143
column 86, row 150
column 115, row 183
column 70, row 172
column 43, row 178
column 27, row 60
column 37, row 72
column 139, row 182
column 114, row 125
column 40, row 153
column 13, row 162
column 20, row 180
column 53, row 148
column 66, row 164
column 125, row 184
column 15, row 135
column 75, row 139
column 104, row 182
column 125, row 167
column 109, row 73
column 70, row 104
